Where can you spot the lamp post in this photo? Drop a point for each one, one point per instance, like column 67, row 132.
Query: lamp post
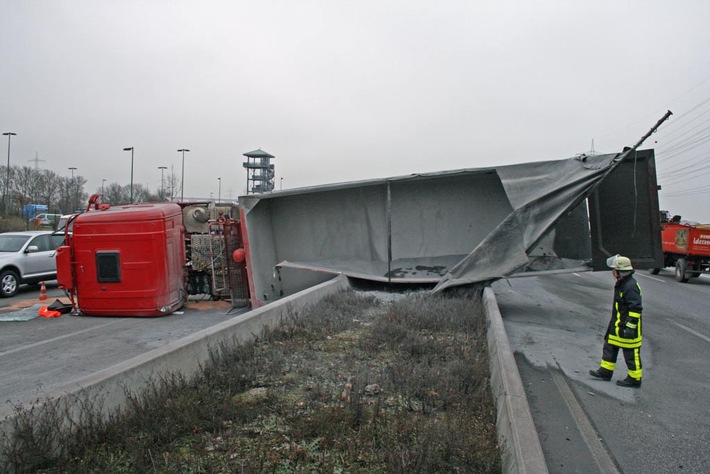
column 162, row 181
column 219, row 190
column 130, row 148
column 73, row 201
column 182, row 177
column 9, row 136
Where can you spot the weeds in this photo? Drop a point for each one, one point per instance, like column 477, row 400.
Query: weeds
column 349, row 385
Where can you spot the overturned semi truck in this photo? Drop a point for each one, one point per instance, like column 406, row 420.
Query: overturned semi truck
column 442, row 230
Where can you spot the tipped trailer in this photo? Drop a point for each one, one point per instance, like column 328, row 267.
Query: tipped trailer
column 147, row 259
column 686, row 247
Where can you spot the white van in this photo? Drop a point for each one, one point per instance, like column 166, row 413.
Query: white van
column 46, row 220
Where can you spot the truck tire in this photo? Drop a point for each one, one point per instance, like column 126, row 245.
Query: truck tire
column 680, row 270
column 654, row 271
column 9, row 283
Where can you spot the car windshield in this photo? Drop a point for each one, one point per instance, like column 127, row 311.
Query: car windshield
column 12, row 243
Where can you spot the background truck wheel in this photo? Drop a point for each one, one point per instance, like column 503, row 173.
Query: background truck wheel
column 654, row 271
column 9, row 283
column 694, row 274
column 680, row 267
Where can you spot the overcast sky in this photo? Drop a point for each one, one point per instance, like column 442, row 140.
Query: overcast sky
column 350, row 90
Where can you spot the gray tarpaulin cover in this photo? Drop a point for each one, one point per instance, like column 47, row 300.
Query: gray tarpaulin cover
column 446, row 228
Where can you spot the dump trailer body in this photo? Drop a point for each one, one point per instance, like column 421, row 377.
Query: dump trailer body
column 454, row 228
column 687, row 248
column 126, row 261
column 686, row 239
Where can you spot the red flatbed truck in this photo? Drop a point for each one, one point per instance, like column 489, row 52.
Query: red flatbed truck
column 686, row 247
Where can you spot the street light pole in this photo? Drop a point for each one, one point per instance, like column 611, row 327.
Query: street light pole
column 182, row 177
column 9, row 135
column 131, row 150
column 73, row 201
column 162, row 181
column 219, row 190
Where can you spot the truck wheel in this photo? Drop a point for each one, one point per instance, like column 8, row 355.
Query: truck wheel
column 9, row 283
column 654, row 271
column 694, row 274
column 680, row 267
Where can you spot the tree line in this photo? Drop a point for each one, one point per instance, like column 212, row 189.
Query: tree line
column 66, row 194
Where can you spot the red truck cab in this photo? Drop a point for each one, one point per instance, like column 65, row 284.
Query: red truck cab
column 125, row 260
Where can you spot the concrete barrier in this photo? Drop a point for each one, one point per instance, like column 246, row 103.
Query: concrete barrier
column 517, row 436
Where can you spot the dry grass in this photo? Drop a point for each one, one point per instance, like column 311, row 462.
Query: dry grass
column 350, row 385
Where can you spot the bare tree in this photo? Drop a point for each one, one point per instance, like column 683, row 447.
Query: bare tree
column 78, row 195
column 48, row 192
column 141, row 194
column 24, row 185
column 172, row 185
column 115, row 194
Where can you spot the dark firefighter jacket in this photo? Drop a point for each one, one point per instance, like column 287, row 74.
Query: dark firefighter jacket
column 625, row 326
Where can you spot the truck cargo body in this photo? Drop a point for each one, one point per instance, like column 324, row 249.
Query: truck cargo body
column 126, row 261
column 687, row 248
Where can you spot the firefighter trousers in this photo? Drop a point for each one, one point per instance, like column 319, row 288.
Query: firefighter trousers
column 632, row 357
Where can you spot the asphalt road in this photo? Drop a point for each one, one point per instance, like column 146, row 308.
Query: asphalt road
column 555, row 324
column 31, row 292
column 39, row 355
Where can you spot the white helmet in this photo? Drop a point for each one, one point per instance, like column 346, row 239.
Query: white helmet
column 617, row 262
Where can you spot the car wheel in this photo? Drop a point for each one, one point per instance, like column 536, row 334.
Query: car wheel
column 9, row 283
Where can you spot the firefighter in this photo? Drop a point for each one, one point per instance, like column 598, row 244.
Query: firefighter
column 624, row 330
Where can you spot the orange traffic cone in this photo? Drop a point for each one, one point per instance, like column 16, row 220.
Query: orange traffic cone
column 42, row 292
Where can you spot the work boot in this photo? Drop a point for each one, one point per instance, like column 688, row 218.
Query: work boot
column 600, row 374
column 629, row 382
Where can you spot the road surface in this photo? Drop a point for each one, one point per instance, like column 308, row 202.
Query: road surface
column 556, row 323
column 38, row 355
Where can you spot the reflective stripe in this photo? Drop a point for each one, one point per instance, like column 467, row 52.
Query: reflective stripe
column 615, row 340
column 636, row 374
column 632, row 326
column 608, row 365
column 634, row 314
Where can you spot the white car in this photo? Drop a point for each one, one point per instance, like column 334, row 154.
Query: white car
column 27, row 257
